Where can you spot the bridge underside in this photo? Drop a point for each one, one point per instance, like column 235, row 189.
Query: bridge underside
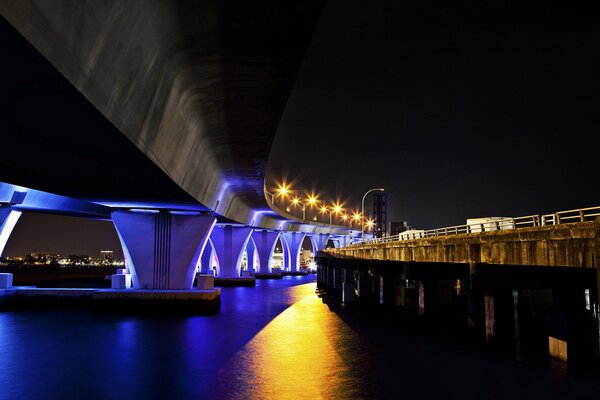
column 136, row 104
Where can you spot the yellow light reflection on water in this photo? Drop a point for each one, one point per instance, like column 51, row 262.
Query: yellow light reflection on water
column 294, row 356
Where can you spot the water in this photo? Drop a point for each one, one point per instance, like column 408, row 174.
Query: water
column 278, row 340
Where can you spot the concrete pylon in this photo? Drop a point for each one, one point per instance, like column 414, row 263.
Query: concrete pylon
column 294, row 242
column 250, row 256
column 319, row 240
column 229, row 243
column 206, row 258
column 8, row 220
column 265, row 244
column 162, row 249
column 343, row 240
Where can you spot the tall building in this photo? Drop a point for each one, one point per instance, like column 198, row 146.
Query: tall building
column 397, row 228
column 380, row 214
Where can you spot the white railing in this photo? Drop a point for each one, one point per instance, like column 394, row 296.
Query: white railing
column 560, row 217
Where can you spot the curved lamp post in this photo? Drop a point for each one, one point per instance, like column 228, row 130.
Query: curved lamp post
column 296, row 201
column 362, row 228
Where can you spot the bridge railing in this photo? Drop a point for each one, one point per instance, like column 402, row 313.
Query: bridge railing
column 557, row 218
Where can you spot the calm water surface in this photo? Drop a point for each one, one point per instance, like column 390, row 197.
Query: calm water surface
column 278, row 340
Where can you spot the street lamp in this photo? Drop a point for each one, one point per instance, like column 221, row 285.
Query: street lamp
column 281, row 191
column 296, row 201
column 362, row 229
column 324, row 210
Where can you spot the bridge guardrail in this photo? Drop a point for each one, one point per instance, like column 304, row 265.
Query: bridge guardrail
column 557, row 218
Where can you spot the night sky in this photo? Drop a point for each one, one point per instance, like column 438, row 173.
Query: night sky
column 458, row 111
column 488, row 110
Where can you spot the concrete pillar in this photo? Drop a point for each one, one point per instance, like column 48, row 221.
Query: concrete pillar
column 206, row 258
column 596, row 257
column 348, row 286
column 8, row 220
column 162, row 249
column 343, row 240
column 337, row 275
column 573, row 330
column 265, row 244
column 251, row 256
column 330, row 274
column 294, row 241
column 319, row 277
column 499, row 314
column 392, row 289
column 363, row 286
column 320, row 240
column 229, row 243
column 428, row 300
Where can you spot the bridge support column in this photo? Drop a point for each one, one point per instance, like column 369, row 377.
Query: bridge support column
column 475, row 300
column 596, row 257
column 320, row 240
column 319, row 274
column 207, row 258
column 337, row 274
column 573, row 329
column 8, row 220
column 348, row 286
column 499, row 308
column 392, row 289
column 330, row 274
column 265, row 244
column 162, row 249
column 427, row 298
column 294, row 241
column 250, row 257
column 364, row 286
column 229, row 243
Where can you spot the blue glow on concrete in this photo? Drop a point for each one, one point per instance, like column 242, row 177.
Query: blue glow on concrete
column 144, row 211
column 184, row 212
column 7, row 226
column 26, row 199
column 128, row 261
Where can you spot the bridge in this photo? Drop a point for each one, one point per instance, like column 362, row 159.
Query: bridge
column 159, row 117
column 491, row 263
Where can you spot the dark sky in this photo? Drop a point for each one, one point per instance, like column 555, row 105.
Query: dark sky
column 61, row 234
column 458, row 111
column 484, row 110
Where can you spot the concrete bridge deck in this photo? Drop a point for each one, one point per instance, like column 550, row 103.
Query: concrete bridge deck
column 569, row 245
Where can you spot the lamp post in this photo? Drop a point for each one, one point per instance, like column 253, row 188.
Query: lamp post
column 296, row 201
column 362, row 228
column 324, row 210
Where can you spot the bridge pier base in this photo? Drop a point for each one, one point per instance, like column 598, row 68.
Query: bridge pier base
column 162, row 249
column 572, row 329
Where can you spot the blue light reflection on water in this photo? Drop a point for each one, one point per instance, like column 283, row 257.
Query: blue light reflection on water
column 79, row 354
column 277, row 340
